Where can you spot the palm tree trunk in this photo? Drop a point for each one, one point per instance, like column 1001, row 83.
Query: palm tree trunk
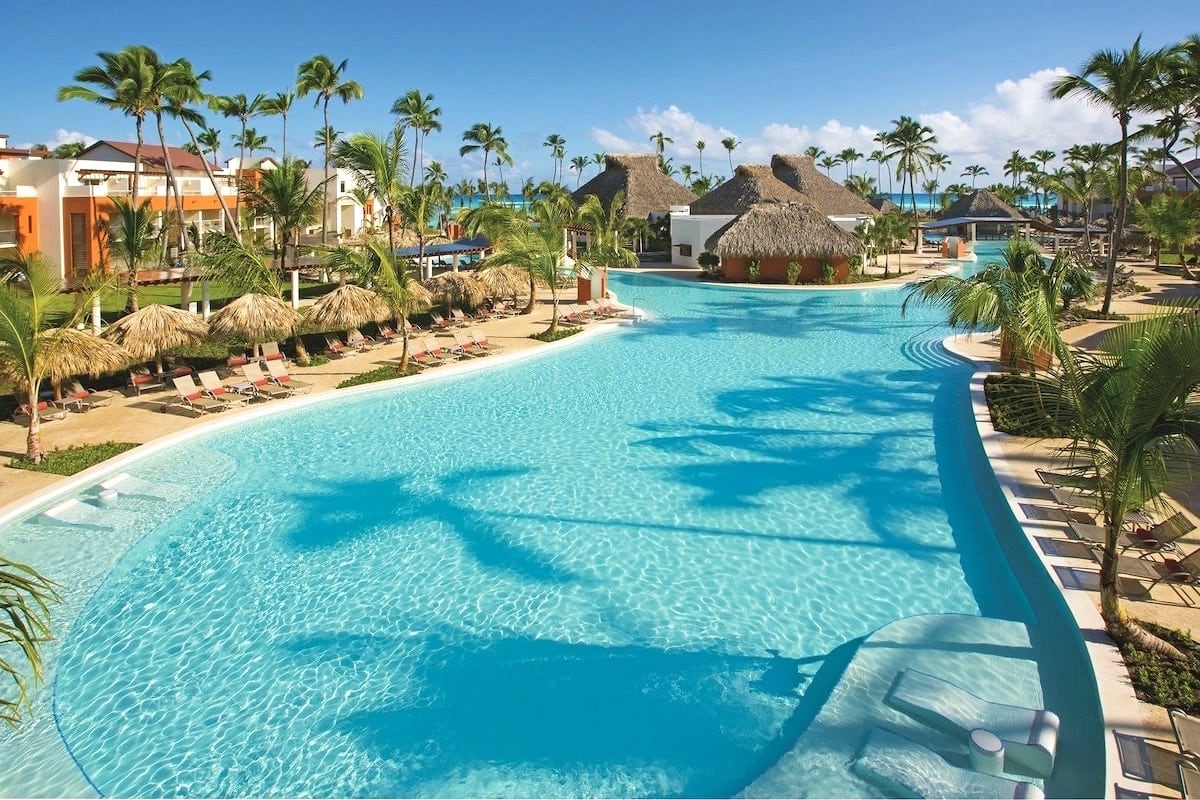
column 237, row 196
column 284, row 115
column 404, row 343
column 172, row 186
column 325, row 205
column 532, row 296
column 33, row 438
column 229, row 220
column 1118, row 226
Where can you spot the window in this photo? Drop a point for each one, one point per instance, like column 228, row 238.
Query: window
column 79, row 244
column 8, row 230
column 685, row 250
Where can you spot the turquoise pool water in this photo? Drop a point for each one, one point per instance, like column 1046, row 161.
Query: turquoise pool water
column 612, row 571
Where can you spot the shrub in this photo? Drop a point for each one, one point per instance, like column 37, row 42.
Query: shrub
column 753, row 268
column 827, row 272
column 561, row 333
column 1162, row 680
column 315, row 360
column 74, row 459
column 374, row 376
column 793, row 272
column 1017, row 418
column 708, row 261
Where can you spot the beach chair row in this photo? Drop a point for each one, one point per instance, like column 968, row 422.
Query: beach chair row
column 212, row 394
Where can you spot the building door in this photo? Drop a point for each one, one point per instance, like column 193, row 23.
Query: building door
column 79, row 246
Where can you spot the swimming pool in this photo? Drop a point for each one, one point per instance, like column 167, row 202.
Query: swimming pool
column 610, row 571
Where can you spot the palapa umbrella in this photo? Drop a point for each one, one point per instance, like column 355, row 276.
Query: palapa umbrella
column 457, row 289
column 66, row 352
column 348, row 306
column 504, row 282
column 152, row 329
column 255, row 317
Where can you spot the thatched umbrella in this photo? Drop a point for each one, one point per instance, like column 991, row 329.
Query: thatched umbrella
column 150, row 330
column 457, row 289
column 255, row 317
column 347, row 306
column 66, row 352
column 504, row 281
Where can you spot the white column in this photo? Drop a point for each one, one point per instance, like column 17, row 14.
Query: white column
column 295, row 288
column 96, row 313
column 205, row 303
column 454, row 261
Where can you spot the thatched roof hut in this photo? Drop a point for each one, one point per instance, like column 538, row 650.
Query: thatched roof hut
column 981, row 203
column 786, row 230
column 751, row 184
column 647, row 190
column 832, row 198
column 884, row 205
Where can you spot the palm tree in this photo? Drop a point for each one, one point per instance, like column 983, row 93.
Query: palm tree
column 122, row 82
column 1018, row 295
column 881, row 138
column 848, row 157
column 283, row 194
column 489, row 139
column 974, row 170
column 911, row 144
column 828, row 163
column 279, row 105
column 464, row 189
column 605, row 245
column 377, row 165
column 209, row 141
column 131, row 238
column 1124, row 82
column 700, row 145
column 599, row 159
column 861, row 185
column 660, row 141
column 1172, row 220
column 27, row 598
column 185, row 91
column 558, row 150
column 1129, row 412
column 417, row 111
column 251, row 141
column 326, row 137
column 69, row 150
column 413, row 208
column 730, row 144
column 578, row 163
column 242, row 108
column 320, row 75
column 1042, row 158
column 814, row 152
column 1015, row 166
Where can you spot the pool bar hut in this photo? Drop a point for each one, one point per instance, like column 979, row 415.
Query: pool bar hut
column 771, row 236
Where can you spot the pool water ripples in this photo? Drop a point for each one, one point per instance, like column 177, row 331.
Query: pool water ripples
column 611, row 571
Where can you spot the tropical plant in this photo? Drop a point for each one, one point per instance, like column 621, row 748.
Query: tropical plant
column 488, row 139
column 578, row 163
column 328, row 81
column 1018, row 295
column 558, row 150
column 131, row 237
column 700, row 145
column 413, row 207
column 252, row 140
column 753, row 269
column 974, row 170
column 861, row 185
column 209, row 141
column 911, row 144
column 25, row 599
column 377, row 164
column 1172, row 220
column 730, row 144
column 241, row 108
column 69, row 150
column 283, row 195
column 605, row 225
column 1124, row 82
column 417, row 111
column 849, row 157
column 827, row 163
column 279, row 105
column 660, row 141
column 793, row 271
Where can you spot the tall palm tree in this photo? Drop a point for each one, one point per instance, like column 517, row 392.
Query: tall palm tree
column 1124, row 82
column 730, row 144
column 131, row 238
column 69, row 150
column 185, row 91
column 123, row 81
column 827, row 163
column 488, row 139
column 599, row 159
column 578, row 163
column 558, row 151
column 1171, row 220
column 881, row 138
column 1015, row 166
column 413, row 207
column 974, row 170
column 1043, row 158
column 417, row 111
column 660, row 141
column 606, row 247
column 279, row 105
column 848, row 157
column 242, row 108
column 320, row 75
column 911, row 144
column 209, row 141
column 377, row 164
column 700, row 145
column 814, row 152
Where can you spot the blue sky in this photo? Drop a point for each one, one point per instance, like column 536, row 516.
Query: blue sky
column 779, row 76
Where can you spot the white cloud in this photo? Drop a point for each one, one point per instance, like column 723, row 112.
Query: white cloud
column 1018, row 115
column 63, row 136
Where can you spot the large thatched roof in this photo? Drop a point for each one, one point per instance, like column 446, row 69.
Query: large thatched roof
column 790, row 230
column 750, row 184
column 647, row 190
column 789, row 179
column 826, row 194
column 981, row 203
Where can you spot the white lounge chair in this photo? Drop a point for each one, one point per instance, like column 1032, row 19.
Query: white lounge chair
column 903, row 768
column 262, row 385
column 79, row 514
column 219, row 391
column 125, row 484
column 1189, row 777
column 280, row 376
column 1187, row 732
column 193, row 397
column 1030, row 736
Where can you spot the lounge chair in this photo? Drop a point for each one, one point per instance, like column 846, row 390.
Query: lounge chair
column 1068, row 480
column 437, row 351
column 1159, row 538
column 1030, row 736
column 465, row 345
column 481, row 341
column 503, row 310
column 460, row 318
column 572, row 315
column 1187, row 732
column 79, row 514
column 193, row 398
column 361, row 343
column 261, row 385
column 420, row 355
column 336, row 348
column 87, row 399
column 1181, row 572
column 141, row 380
column 271, row 352
column 126, row 484
column 47, row 411
column 388, row 334
column 218, row 391
column 903, row 768
column 278, row 375
column 438, row 322
column 1189, row 777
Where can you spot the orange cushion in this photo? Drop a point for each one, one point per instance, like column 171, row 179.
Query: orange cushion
column 195, row 396
column 80, row 395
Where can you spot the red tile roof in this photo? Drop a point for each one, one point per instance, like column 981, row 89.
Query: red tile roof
column 152, row 158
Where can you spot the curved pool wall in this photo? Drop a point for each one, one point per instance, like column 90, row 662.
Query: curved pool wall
column 367, row 599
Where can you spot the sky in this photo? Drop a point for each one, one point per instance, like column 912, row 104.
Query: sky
column 779, row 75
